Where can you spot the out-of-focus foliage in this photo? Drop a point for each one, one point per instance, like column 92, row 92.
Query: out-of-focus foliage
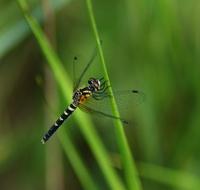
column 148, row 45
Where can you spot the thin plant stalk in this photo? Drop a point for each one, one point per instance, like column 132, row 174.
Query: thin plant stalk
column 171, row 177
column 84, row 122
column 80, row 169
column 131, row 176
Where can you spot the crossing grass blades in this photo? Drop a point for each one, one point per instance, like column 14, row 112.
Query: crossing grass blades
column 97, row 89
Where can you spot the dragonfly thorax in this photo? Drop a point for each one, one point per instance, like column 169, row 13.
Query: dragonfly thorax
column 81, row 95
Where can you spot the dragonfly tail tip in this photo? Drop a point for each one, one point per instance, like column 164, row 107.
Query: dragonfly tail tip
column 42, row 141
column 135, row 91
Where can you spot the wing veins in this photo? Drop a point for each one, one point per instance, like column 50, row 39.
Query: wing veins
column 93, row 111
column 94, row 54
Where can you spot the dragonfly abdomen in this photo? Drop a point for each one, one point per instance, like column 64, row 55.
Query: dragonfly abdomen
column 71, row 108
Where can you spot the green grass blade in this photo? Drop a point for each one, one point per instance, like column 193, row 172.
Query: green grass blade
column 132, row 179
column 170, row 177
column 76, row 162
column 9, row 28
column 84, row 122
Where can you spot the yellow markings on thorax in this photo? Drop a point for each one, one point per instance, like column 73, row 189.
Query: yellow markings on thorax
column 85, row 96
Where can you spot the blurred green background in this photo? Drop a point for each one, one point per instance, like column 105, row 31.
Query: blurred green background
column 152, row 45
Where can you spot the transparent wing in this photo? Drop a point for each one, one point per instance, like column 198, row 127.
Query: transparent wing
column 100, row 104
column 77, row 83
column 100, row 113
column 104, row 93
column 120, row 94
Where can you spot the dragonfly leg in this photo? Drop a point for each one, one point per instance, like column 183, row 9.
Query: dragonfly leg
column 103, row 85
column 102, row 92
column 102, row 78
column 97, row 97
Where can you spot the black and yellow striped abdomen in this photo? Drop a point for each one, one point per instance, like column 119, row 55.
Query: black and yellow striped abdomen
column 59, row 122
column 79, row 97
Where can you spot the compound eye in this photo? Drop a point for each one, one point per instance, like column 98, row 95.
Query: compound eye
column 91, row 81
column 99, row 83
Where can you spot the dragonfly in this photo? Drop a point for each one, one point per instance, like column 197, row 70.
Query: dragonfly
column 96, row 89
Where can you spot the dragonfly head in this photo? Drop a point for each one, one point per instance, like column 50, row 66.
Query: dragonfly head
column 94, row 84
